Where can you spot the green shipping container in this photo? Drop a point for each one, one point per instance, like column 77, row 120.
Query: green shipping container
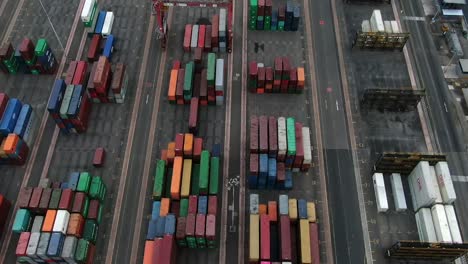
column 84, row 182
column 188, row 81
column 183, row 210
column 260, row 18
column 91, row 19
column 41, row 47
column 167, row 192
column 201, row 242
column 99, row 216
column 159, row 176
column 22, row 221
column 204, row 172
column 96, row 188
column 85, row 208
column 31, row 62
column 35, row 72
column 291, row 136
column 254, row 3
column 214, row 175
column 90, row 231
column 195, row 179
column 280, row 25
column 191, row 242
column 81, row 252
column 211, row 68
column 55, row 198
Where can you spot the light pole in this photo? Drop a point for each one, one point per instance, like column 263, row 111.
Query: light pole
column 51, row 25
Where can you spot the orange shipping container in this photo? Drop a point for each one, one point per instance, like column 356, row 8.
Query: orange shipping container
column 272, row 211
column 2, row 149
column 148, row 255
column 49, row 221
column 300, row 77
column 165, row 206
column 172, row 85
column 170, row 152
column 10, row 143
column 176, row 178
column 75, row 225
column 188, row 145
column 262, row 209
column 164, row 155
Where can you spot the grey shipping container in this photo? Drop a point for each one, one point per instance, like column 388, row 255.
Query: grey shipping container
column 254, row 200
column 37, row 223
column 43, row 245
column 69, row 247
column 32, row 244
column 441, row 224
column 283, row 204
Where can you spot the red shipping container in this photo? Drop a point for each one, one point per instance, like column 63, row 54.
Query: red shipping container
column 99, row 157
column 157, row 249
column 179, row 144
column 276, row 86
column 293, row 79
column 66, row 199
column 215, row 31
column 200, row 226
column 71, row 72
column 210, row 233
column 272, row 137
column 78, row 202
column 208, row 39
column 261, row 8
column 203, row 88
column 80, row 73
column 197, row 149
column 254, row 130
column 314, row 243
column 94, row 47
column 201, row 36
column 269, row 79
column 103, row 89
column 190, row 225
column 285, row 237
column 212, row 204
column 175, row 207
column 281, row 13
column 187, row 37
column 5, row 206
column 278, row 68
column 180, row 86
column 280, row 173
column 286, row 67
column 3, row 103
column 253, row 164
column 91, row 253
column 299, row 147
column 284, row 86
column 45, row 199
column 180, row 229
column 193, row 117
column 264, row 237
column 263, row 134
column 118, row 78
column 93, row 211
column 26, row 49
column 164, row 155
column 24, row 197
column 261, row 77
column 90, row 85
column 273, row 211
column 253, row 70
column 35, row 199
column 102, row 73
column 193, row 203
column 22, row 245
column 176, row 65
column 168, row 250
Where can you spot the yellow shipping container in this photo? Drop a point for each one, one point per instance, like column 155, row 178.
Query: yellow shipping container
column 254, row 238
column 293, row 209
column 305, row 241
column 311, row 212
column 187, row 175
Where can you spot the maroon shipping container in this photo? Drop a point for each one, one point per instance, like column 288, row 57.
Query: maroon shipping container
column 263, row 134
column 66, row 200
column 264, row 237
column 175, row 207
column 190, row 225
column 272, row 136
column 281, row 13
column 314, row 243
column 91, row 253
column 278, row 68
column 192, row 204
column 203, row 88
column 292, row 80
column 176, row 64
column 3, row 103
column 78, row 202
column 93, row 210
column 179, row 144
column 200, row 226
column 212, row 204
column 99, row 156
column 45, row 199
column 210, row 227
column 197, row 57
column 180, row 228
column 193, row 117
column 261, row 77
column 197, row 149
column 268, row 7
column 269, row 79
column 196, row 85
column 261, row 8
column 299, row 147
column 253, row 164
column 35, row 199
column 157, row 249
column 208, row 38
column 26, row 49
column 90, row 85
column 5, row 206
column 118, row 78
column 168, row 250
column 254, row 129
column 215, row 31
column 284, row 86
column 280, row 173
column 80, row 73
column 71, row 72
column 102, row 73
column 24, row 197
column 285, row 237
column 22, row 244
column 187, row 37
column 94, row 47
column 286, row 67
column 180, row 86
column 253, row 70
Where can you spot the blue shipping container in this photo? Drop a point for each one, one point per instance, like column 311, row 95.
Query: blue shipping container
column 23, row 120
column 75, row 102
column 151, row 230
column 56, row 96
column 283, row 204
column 12, row 111
column 64, row 185
column 202, row 205
column 302, row 208
column 100, row 22
column 216, row 152
column 288, row 183
column 109, row 47
column 271, row 173
column 73, row 180
column 253, row 181
column 263, row 172
column 170, row 226
column 55, row 244
column 155, row 211
column 160, row 226
column 44, row 60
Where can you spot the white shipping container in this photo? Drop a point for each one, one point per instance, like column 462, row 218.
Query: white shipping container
column 388, row 27
column 365, row 26
column 32, row 244
column 445, row 182
column 380, row 193
column 194, row 42
column 453, row 223
column 69, row 248
column 222, row 20
column 376, row 21
column 422, row 187
column 441, row 224
column 436, row 184
column 283, row 204
column 254, row 201
column 395, row 27
column 425, row 224
column 282, row 143
column 61, row 221
column 108, row 23
column 398, row 192
column 87, row 10
column 219, row 85
column 307, row 146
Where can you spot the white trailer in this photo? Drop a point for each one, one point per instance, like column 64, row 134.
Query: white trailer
column 219, row 83
column 441, row 224
column 453, row 223
column 194, row 40
column 445, row 182
column 436, row 185
column 376, row 21
column 425, row 225
column 422, row 188
column 307, row 146
column 282, row 143
column 108, row 23
column 398, row 192
column 61, row 221
column 380, row 193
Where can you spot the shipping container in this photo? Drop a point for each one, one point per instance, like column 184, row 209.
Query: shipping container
column 445, row 182
column 159, row 179
column 263, row 134
column 108, row 23
column 271, row 182
column 80, row 204
column 180, row 231
column 186, row 178
column 214, row 176
column 156, row 208
column 61, row 221
column 55, row 198
column 282, row 142
column 441, row 226
column 212, row 205
column 176, row 178
column 453, row 224
column 204, row 172
column 35, row 199
column 262, row 209
column 380, row 193
column 69, row 248
column 165, row 206
column 422, row 187
column 187, row 37
column 263, row 171
column 219, row 84
column 254, row 202
column 314, row 243
column 188, row 145
column 168, row 250
column 311, row 214
column 23, row 120
column 193, row 204
column 273, row 211
column 84, row 182
column 37, row 224
column 425, row 225
column 10, row 116
column 200, row 230
column 265, row 237
column 190, row 231
column 272, row 137
column 75, row 225
column 41, row 251
column 179, row 144
column 22, row 221
column 193, row 116
column 253, row 171
column 435, row 183
column 55, row 245
column 148, row 252
column 254, row 238
column 90, row 231
column 152, row 229
column 254, row 134
column 202, row 205
column 398, row 192
column 283, row 204
column 49, row 221
column 210, row 232
column 285, row 237
column 302, row 209
column 22, row 245
column 299, row 158
column 304, row 238
column 66, row 200
column 194, row 40
column 99, row 156
column 95, row 211
column 32, row 244
column 293, row 209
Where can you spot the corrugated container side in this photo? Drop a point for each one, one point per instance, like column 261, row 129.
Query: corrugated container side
column 254, row 238
column 265, row 237
column 314, row 243
column 445, row 182
column 304, row 237
column 441, row 224
column 453, row 224
column 285, row 237
column 380, row 193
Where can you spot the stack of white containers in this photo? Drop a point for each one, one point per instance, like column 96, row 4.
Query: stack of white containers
column 425, row 225
column 282, row 143
column 219, row 82
column 398, row 192
column 423, row 191
column 376, row 21
column 194, row 40
column 222, row 30
column 377, row 24
column 307, row 146
column 380, row 193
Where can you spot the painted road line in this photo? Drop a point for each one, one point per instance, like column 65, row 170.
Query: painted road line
column 318, row 134
column 128, row 148
column 37, row 142
column 149, row 150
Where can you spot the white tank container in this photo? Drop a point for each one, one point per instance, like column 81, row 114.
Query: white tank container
column 307, row 146
column 398, row 192
column 194, row 40
column 376, row 21
column 453, row 223
column 445, row 182
column 422, row 188
column 441, row 224
column 425, row 224
column 380, row 193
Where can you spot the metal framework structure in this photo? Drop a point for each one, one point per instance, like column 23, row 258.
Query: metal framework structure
column 404, row 162
column 427, row 251
column 396, row 100
column 380, row 40
column 160, row 8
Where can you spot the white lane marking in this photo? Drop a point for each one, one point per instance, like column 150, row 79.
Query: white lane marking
column 459, row 178
column 413, row 18
column 445, row 105
column 337, row 107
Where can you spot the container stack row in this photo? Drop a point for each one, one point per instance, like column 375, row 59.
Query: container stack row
column 105, row 85
column 100, row 46
column 262, row 16
column 5, row 206
column 208, row 38
column 438, row 224
column 272, row 226
column 16, row 122
column 194, row 81
column 28, row 58
column 89, row 13
column 282, row 78
column 59, row 223
column 101, row 21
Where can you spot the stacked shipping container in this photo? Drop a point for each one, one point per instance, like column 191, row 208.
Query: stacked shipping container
column 262, row 16
column 283, row 78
